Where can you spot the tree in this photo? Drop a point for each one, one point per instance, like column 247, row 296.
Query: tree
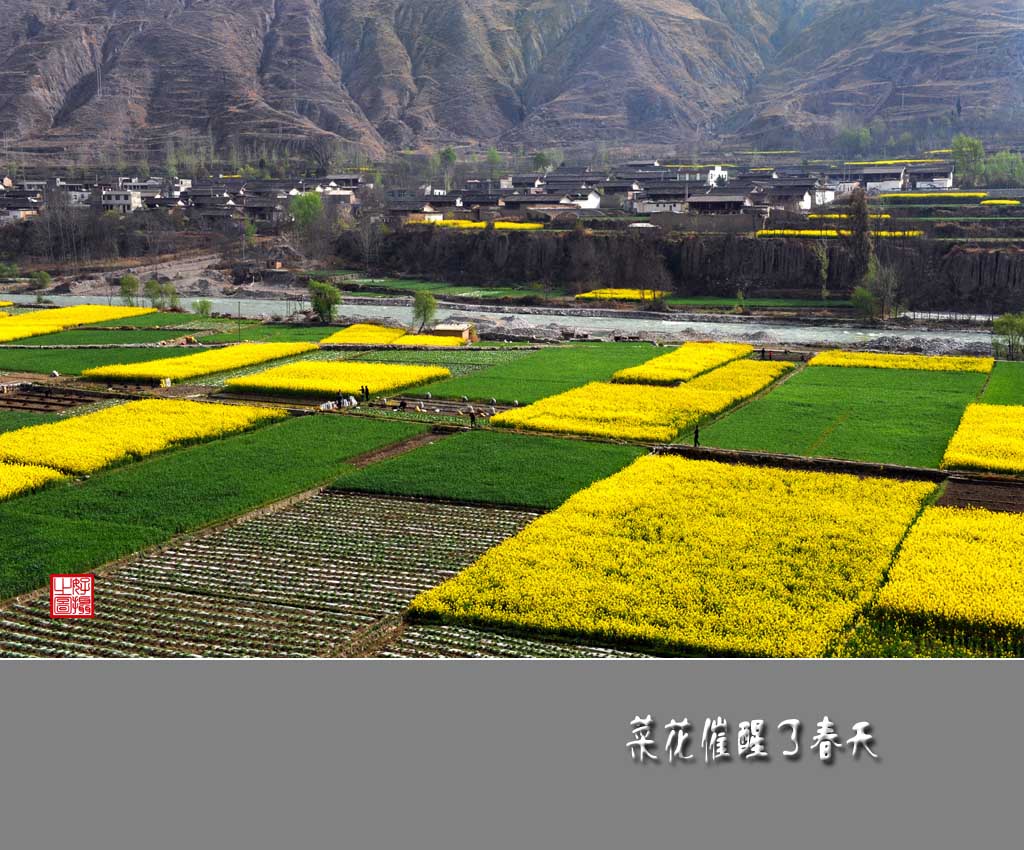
column 311, row 222
column 1008, row 336
column 424, row 308
column 129, row 285
column 203, row 307
column 448, row 160
column 39, row 280
column 306, row 209
column 1004, row 170
column 861, row 249
column 493, row 161
column 325, row 298
column 541, row 161
column 883, row 284
column 323, row 153
column 821, row 255
column 153, row 290
column 969, row 157
column 864, row 302
column 169, row 295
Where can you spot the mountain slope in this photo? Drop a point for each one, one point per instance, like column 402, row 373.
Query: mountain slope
column 82, row 77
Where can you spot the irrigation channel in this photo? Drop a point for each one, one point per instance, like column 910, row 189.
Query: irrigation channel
column 550, row 322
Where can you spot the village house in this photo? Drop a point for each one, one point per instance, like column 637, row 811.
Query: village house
column 412, row 212
column 532, row 184
column 717, row 203
column 882, row 178
column 13, row 209
column 121, row 201
column 931, row 176
column 672, row 196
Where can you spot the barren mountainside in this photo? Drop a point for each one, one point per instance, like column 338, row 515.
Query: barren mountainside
column 82, row 76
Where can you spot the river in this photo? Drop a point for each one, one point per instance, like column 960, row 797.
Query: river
column 754, row 329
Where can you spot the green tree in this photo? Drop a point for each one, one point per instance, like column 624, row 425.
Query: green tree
column 821, row 255
column 325, row 298
column 883, row 284
column 203, row 307
column 448, row 160
column 8, row 270
column 969, row 157
column 864, row 302
column 1008, row 336
column 541, row 161
column 493, row 161
column 154, row 291
column 306, row 210
column 424, row 308
column 169, row 295
column 129, row 285
column 39, row 280
column 1004, row 170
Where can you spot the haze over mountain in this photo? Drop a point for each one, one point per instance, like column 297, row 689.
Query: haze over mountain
column 82, row 76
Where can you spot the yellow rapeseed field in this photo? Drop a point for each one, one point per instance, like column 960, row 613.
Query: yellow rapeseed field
column 84, row 444
column 363, row 334
column 431, row 341
column 329, row 378
column 960, row 566
column 693, row 556
column 462, row 224
column 1000, row 202
column 640, row 412
column 917, row 362
column 6, row 303
column 12, row 330
column 40, row 322
column 18, row 478
column 939, row 195
column 990, row 437
column 201, row 363
column 81, row 314
column 835, row 234
column 686, row 362
column 622, row 294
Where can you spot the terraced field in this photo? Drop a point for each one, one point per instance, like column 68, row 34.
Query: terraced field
column 301, row 581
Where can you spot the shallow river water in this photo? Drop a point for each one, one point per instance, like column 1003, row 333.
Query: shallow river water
column 754, row 329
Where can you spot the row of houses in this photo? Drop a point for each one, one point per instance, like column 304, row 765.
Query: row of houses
column 647, row 188
column 206, row 203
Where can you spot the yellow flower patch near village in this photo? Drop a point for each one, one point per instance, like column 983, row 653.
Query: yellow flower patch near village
column 1000, row 202
column 16, row 478
column 622, row 294
column 329, row 378
column 84, row 444
column 693, row 556
column 81, row 314
column 990, row 438
column 40, row 322
column 431, row 341
column 903, row 361
column 363, row 334
column 641, row 412
column 202, row 363
column 960, row 567
column 835, row 234
column 686, row 362
column 938, row 195
column 462, row 224
column 6, row 303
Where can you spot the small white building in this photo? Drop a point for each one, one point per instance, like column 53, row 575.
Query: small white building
column 717, row 172
column 121, row 200
column 931, row 175
column 883, row 178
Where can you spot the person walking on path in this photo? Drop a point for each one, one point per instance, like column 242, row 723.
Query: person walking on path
column 696, row 436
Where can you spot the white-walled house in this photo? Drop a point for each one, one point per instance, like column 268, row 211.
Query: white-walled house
column 931, row 175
